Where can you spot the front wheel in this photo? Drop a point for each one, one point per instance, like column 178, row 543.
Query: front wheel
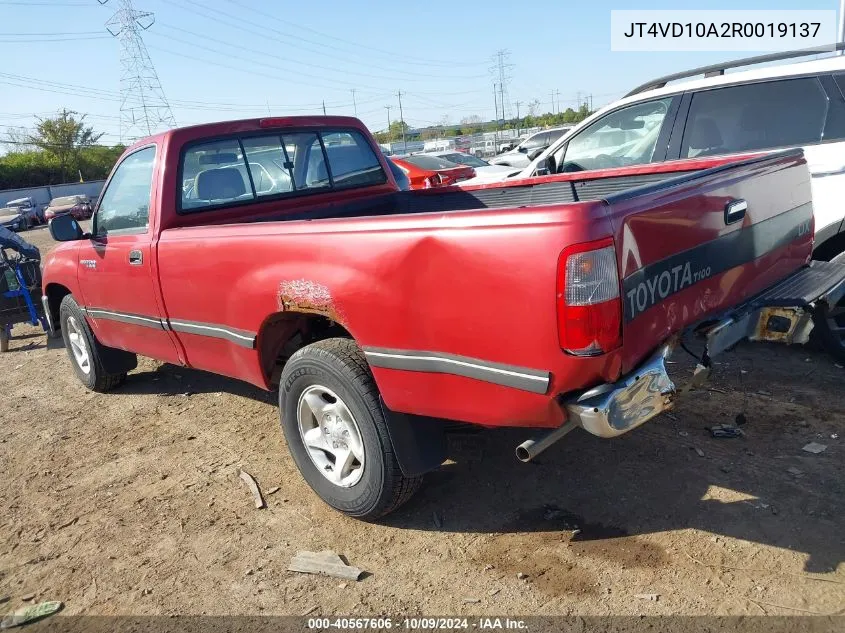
column 83, row 348
column 336, row 431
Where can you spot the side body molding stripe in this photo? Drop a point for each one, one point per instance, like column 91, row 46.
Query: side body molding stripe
column 238, row 337
column 532, row 380
column 123, row 317
column 214, row 330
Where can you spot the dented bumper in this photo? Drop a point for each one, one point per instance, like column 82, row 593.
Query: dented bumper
column 613, row 409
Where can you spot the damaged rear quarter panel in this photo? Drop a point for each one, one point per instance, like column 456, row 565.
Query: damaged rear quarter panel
column 479, row 284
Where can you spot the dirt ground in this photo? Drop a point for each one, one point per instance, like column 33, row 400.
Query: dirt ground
column 130, row 503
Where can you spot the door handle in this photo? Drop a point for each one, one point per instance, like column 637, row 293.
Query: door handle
column 136, row 258
column 735, row 211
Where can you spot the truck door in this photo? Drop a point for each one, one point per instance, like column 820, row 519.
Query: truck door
column 119, row 291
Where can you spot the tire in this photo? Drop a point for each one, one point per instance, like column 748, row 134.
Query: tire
column 4, row 339
column 85, row 351
column 335, row 369
column 829, row 325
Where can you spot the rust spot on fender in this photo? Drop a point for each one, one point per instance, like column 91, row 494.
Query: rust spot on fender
column 302, row 295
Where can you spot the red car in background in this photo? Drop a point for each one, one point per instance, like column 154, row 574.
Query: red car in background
column 426, row 171
column 79, row 207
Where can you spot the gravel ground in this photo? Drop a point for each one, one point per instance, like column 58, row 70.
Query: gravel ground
column 130, row 503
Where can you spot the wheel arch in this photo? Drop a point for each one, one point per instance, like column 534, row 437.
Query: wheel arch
column 55, row 293
column 830, row 244
column 283, row 333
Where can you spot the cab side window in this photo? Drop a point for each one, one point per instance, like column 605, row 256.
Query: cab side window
column 125, row 204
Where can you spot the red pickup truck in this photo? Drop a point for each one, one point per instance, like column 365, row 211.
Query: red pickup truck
column 279, row 251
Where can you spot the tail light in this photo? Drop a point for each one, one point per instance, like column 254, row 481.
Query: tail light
column 589, row 308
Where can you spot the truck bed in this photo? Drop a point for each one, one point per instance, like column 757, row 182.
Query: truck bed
column 544, row 190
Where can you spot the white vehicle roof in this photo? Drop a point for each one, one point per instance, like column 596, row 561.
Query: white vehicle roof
column 826, row 65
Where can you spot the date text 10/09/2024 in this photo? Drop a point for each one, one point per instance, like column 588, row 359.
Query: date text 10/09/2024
column 417, row 624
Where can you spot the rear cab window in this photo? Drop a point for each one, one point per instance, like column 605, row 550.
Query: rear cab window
column 252, row 168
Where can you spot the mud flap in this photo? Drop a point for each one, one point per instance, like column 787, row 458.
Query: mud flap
column 419, row 442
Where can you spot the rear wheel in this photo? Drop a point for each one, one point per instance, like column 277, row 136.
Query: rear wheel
column 830, row 324
column 83, row 348
column 336, row 431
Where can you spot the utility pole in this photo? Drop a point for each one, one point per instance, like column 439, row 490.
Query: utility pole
column 324, row 107
column 841, row 31
column 143, row 107
column 402, row 119
column 553, row 101
column 591, row 99
column 354, row 105
column 388, row 119
column 496, row 107
column 518, row 103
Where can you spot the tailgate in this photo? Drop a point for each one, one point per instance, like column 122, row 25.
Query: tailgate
column 697, row 245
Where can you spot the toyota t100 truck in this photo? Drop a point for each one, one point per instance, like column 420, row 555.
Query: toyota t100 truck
column 280, row 251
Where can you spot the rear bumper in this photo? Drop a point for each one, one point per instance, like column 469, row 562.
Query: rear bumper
column 782, row 313
column 613, row 409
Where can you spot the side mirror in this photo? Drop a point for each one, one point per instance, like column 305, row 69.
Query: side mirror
column 65, row 229
column 546, row 167
column 535, row 153
column 522, row 149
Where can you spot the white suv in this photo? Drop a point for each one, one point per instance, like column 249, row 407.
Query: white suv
column 763, row 109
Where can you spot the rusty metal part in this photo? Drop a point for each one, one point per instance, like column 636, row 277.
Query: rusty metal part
column 303, row 295
column 782, row 325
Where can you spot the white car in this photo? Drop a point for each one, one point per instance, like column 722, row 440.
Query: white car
column 484, row 171
column 767, row 108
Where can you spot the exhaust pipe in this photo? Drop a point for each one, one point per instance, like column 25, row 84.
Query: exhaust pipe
column 529, row 449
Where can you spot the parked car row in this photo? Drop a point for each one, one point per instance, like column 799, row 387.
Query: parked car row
column 23, row 213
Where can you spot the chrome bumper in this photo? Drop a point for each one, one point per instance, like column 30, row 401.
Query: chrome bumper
column 613, row 409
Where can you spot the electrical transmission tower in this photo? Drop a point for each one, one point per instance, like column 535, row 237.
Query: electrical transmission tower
column 144, row 109
column 500, row 70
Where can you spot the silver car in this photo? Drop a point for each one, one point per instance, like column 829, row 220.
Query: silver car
column 529, row 149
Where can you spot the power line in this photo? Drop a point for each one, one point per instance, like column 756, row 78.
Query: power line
column 56, row 39
column 49, row 34
column 283, row 37
column 144, row 108
column 394, row 55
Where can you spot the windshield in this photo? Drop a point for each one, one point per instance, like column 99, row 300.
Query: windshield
column 465, row 159
column 430, row 162
column 625, row 137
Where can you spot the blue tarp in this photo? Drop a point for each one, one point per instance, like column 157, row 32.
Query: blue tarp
column 10, row 239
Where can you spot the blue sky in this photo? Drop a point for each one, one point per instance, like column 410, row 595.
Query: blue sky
column 225, row 59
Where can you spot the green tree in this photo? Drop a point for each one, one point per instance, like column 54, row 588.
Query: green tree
column 64, row 136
